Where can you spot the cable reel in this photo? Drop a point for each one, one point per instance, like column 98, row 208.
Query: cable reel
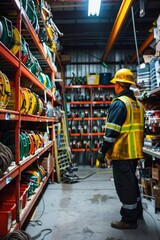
column 9, row 35
column 27, row 100
column 5, row 90
column 33, row 104
column 32, row 144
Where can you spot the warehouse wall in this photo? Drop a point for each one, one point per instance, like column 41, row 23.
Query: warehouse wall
column 86, row 61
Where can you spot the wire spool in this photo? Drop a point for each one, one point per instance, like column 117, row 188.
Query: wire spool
column 27, row 100
column 40, row 106
column 24, row 4
column 96, row 144
column 16, row 40
column 77, row 114
column 8, row 139
column 36, row 140
column 35, row 67
column 31, row 12
column 102, row 113
column 6, row 32
column 35, row 174
column 32, row 144
column 11, row 101
column 42, row 78
column 85, row 129
column 86, row 113
column 27, row 142
column 95, row 113
column 79, row 144
column 103, row 128
column 41, row 138
column 73, row 129
column 6, row 158
column 23, row 146
column 37, row 103
column 30, row 60
column 87, row 97
column 49, row 53
column 42, row 171
column 74, row 144
column 48, row 82
column 36, row 24
column 33, row 105
column 5, row 90
column 24, row 51
column 95, row 129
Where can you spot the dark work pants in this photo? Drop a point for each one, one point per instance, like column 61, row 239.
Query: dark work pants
column 127, row 188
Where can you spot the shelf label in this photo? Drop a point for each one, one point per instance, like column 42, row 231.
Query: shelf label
column 9, row 116
column 8, row 180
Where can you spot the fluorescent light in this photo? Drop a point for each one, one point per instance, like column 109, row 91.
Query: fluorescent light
column 94, row 7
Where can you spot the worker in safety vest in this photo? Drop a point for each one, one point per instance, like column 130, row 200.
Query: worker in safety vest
column 122, row 144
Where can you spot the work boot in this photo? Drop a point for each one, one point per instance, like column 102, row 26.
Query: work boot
column 123, row 225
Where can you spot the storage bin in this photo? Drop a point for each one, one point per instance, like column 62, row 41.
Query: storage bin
column 8, row 195
column 105, row 78
column 24, row 188
column 7, row 215
column 93, row 79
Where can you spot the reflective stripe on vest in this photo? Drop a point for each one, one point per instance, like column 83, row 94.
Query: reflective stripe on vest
column 128, row 144
column 130, row 206
column 113, row 126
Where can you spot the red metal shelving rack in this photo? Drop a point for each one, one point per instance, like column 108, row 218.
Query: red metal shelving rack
column 91, row 104
column 15, row 116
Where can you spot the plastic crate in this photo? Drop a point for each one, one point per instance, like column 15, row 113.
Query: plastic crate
column 8, row 195
column 7, row 215
column 24, row 188
column 105, row 78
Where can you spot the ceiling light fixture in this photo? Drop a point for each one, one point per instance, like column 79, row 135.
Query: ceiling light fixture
column 94, row 7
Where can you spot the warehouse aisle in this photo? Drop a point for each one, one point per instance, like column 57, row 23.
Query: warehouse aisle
column 84, row 211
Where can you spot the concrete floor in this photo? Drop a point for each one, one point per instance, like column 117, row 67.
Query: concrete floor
column 85, row 210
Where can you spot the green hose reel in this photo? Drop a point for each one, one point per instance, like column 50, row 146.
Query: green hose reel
column 6, row 33
column 9, row 140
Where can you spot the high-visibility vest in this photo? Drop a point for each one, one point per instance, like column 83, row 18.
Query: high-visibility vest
column 129, row 143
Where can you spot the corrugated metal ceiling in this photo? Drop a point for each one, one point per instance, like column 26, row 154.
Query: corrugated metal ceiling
column 71, row 17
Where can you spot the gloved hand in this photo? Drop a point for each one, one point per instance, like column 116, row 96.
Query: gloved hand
column 101, row 157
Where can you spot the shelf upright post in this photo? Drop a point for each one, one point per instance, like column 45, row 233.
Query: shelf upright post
column 18, row 123
column 91, row 123
column 52, row 132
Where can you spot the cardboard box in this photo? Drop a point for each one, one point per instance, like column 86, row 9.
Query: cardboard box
column 146, row 186
column 48, row 163
column 156, row 191
column 93, row 79
column 156, row 173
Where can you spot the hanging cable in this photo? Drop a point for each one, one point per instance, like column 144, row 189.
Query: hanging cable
column 135, row 37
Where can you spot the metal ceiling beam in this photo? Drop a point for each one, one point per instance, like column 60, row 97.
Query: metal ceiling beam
column 121, row 16
column 146, row 43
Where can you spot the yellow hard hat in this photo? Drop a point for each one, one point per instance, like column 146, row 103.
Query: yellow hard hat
column 123, row 75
